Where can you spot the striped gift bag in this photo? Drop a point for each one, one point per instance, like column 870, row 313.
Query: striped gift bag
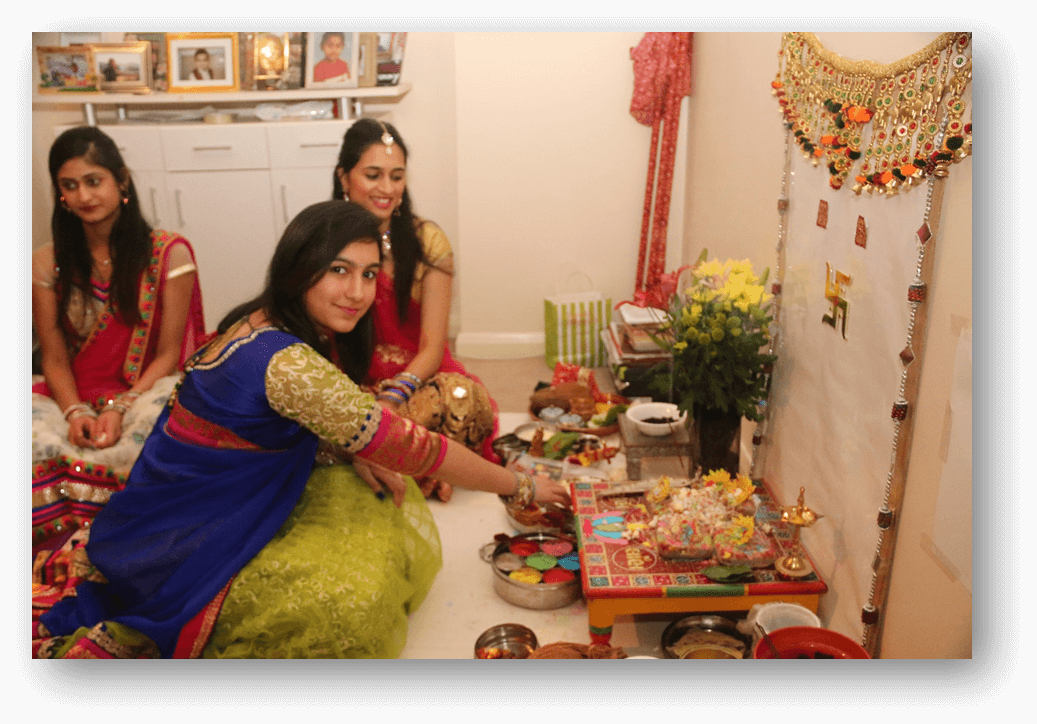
column 572, row 328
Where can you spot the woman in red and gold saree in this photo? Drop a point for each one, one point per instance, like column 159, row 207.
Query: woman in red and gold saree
column 117, row 309
column 412, row 367
column 226, row 541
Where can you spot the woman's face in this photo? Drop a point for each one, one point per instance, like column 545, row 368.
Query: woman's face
column 346, row 290
column 378, row 181
column 90, row 191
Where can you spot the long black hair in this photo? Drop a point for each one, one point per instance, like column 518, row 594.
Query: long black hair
column 129, row 245
column 305, row 252
column 406, row 246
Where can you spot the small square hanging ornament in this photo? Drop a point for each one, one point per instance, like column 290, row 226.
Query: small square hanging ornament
column 822, row 214
column 861, row 237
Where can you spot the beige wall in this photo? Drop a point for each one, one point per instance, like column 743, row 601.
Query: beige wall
column 523, row 149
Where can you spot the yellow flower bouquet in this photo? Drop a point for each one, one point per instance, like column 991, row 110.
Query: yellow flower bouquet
column 717, row 330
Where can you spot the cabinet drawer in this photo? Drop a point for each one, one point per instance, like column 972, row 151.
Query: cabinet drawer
column 215, row 148
column 141, row 147
column 306, row 144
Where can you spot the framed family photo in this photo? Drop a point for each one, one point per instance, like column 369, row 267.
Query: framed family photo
column 159, row 67
column 332, row 60
column 202, row 62
column 124, row 67
column 64, row 69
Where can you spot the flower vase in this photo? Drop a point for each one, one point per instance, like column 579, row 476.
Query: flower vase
column 715, row 440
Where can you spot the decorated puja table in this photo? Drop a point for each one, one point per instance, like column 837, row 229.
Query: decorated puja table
column 624, row 573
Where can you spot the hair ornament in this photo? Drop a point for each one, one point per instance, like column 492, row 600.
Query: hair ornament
column 387, row 138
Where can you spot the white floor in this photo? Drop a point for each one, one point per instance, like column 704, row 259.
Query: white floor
column 462, row 603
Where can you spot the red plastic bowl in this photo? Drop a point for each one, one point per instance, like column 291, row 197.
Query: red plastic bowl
column 795, row 642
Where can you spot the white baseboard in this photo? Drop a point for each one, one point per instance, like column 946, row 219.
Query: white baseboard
column 494, row 345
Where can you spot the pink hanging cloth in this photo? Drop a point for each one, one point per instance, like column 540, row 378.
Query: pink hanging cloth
column 662, row 77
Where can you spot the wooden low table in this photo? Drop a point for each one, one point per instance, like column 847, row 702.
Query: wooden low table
column 624, row 578
column 637, row 446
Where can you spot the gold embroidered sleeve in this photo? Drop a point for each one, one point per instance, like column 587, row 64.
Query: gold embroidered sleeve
column 304, row 386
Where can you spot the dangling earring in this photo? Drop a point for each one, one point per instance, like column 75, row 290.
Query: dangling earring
column 64, row 204
column 396, row 211
column 125, row 199
column 345, row 196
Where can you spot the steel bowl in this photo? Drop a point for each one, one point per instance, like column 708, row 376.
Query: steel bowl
column 728, row 642
column 513, row 638
column 540, row 596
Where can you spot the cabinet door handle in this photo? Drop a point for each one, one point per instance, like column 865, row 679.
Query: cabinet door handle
column 154, row 207
column 284, row 205
column 318, row 145
column 179, row 213
column 212, row 148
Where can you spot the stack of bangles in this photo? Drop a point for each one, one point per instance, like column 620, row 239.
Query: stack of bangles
column 525, row 492
column 120, row 403
column 399, row 389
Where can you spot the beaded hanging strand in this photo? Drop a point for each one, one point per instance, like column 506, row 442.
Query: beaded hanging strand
column 779, row 271
column 896, row 477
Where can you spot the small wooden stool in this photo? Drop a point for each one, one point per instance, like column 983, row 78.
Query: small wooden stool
column 637, row 445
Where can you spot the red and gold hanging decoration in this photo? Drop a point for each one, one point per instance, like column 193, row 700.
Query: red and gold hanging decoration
column 662, row 77
column 903, row 122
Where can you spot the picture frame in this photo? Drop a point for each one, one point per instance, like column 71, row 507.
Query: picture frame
column 367, row 66
column 123, row 67
column 390, row 57
column 159, row 67
column 202, row 62
column 332, row 60
column 64, row 69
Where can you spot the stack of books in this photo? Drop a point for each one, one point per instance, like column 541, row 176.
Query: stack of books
column 628, row 339
column 632, row 353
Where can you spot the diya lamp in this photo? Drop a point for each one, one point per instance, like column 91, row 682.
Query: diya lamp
column 795, row 564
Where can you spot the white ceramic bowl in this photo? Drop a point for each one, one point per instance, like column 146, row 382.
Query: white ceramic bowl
column 637, row 414
column 772, row 616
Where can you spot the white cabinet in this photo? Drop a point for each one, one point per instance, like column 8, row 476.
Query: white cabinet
column 302, row 164
column 143, row 156
column 230, row 190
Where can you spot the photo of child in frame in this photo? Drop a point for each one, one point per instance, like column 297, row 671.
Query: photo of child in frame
column 332, row 67
column 332, row 60
column 202, row 64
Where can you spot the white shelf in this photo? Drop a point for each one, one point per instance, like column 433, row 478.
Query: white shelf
column 88, row 101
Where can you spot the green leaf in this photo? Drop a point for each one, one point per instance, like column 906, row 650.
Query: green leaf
column 726, row 574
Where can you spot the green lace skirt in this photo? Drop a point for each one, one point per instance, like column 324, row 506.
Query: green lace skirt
column 337, row 581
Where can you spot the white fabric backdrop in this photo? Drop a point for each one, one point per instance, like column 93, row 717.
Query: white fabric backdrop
column 830, row 425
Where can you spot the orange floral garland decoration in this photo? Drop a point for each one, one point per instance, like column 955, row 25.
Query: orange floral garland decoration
column 904, row 119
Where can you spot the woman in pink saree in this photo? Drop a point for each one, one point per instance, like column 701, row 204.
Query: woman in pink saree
column 117, row 309
column 412, row 369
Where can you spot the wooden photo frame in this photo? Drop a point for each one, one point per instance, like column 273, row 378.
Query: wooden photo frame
column 123, row 67
column 159, row 67
column 65, row 69
column 367, row 66
column 332, row 60
column 202, row 62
